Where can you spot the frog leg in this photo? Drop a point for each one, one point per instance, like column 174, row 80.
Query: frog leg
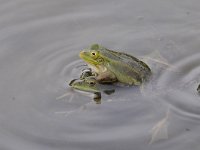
column 87, row 72
column 97, row 97
column 106, row 77
column 158, row 59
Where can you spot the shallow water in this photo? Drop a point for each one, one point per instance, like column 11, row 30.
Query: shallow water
column 39, row 46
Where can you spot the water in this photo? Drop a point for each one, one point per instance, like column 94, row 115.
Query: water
column 39, row 46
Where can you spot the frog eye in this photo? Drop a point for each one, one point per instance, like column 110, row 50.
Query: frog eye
column 93, row 53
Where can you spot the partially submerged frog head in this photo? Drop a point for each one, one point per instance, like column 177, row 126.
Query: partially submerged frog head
column 90, row 84
column 111, row 66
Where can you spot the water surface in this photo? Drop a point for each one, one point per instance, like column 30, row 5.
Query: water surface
column 39, row 45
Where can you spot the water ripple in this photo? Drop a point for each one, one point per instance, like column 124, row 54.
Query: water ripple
column 180, row 87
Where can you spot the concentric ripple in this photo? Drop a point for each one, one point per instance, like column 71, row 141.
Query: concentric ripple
column 180, row 86
column 39, row 46
column 185, row 76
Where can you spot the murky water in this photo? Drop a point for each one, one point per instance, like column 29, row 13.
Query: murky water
column 39, row 45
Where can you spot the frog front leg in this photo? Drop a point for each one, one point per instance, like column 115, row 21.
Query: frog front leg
column 87, row 73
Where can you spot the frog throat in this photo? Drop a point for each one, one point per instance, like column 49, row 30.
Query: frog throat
column 97, row 68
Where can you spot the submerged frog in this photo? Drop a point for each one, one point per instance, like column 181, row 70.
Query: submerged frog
column 110, row 66
column 198, row 89
column 90, row 84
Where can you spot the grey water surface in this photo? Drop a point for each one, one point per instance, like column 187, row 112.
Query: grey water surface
column 39, row 45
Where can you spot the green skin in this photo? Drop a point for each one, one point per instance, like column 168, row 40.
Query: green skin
column 198, row 89
column 89, row 84
column 110, row 66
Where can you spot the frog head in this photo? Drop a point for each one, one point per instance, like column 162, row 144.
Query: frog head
column 94, row 58
column 89, row 84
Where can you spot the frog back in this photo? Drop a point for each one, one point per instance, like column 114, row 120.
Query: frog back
column 128, row 69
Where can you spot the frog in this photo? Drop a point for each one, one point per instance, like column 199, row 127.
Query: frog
column 109, row 66
column 198, row 89
column 90, row 84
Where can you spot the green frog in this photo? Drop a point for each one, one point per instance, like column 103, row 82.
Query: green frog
column 90, row 84
column 110, row 66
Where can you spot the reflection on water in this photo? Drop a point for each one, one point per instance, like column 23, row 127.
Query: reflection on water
column 40, row 42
